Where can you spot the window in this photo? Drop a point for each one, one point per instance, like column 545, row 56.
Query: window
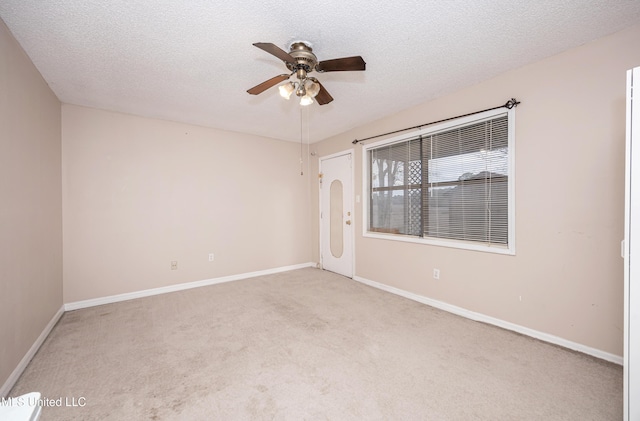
column 448, row 185
column 396, row 188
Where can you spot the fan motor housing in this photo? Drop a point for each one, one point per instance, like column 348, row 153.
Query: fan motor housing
column 305, row 59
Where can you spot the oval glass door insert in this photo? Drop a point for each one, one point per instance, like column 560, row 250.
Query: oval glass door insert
column 336, row 212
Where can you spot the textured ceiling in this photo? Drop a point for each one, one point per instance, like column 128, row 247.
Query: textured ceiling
column 192, row 61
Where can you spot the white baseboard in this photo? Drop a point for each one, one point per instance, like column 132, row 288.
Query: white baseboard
column 13, row 378
column 493, row 321
column 179, row 287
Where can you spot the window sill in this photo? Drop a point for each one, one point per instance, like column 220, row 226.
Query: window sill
column 457, row 244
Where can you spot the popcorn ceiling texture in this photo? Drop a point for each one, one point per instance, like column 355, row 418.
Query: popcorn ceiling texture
column 193, row 61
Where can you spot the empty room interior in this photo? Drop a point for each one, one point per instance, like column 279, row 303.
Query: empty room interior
column 435, row 234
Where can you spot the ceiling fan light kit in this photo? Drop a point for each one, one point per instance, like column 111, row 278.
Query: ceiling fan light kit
column 306, row 100
column 287, row 89
column 300, row 60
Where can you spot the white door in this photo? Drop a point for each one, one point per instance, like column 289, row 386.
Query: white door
column 336, row 213
column 632, row 252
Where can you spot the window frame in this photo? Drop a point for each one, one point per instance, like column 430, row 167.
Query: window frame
column 509, row 249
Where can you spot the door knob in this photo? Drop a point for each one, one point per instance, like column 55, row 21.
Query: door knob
column 348, row 222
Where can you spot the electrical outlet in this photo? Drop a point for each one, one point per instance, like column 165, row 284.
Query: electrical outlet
column 436, row 274
column 211, row 257
column 174, row 265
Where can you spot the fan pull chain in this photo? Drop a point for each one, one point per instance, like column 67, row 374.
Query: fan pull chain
column 301, row 160
column 308, row 141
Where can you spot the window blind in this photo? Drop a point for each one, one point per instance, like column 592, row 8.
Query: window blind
column 466, row 182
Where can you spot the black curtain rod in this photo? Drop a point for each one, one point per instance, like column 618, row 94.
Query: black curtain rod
column 508, row 105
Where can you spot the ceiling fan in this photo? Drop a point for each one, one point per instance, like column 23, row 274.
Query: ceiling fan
column 301, row 61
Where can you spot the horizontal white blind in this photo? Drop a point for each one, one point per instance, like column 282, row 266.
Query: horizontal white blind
column 465, row 180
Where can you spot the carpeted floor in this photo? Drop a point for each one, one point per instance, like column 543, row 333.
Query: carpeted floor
column 307, row 345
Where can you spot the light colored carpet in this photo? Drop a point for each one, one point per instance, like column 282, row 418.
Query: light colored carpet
column 307, row 345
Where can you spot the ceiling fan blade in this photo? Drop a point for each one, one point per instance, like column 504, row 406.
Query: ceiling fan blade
column 323, row 96
column 267, row 84
column 276, row 51
column 342, row 64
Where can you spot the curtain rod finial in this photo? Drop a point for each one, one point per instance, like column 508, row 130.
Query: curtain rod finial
column 511, row 103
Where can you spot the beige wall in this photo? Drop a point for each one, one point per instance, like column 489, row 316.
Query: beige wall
column 139, row 193
column 570, row 136
column 30, row 204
